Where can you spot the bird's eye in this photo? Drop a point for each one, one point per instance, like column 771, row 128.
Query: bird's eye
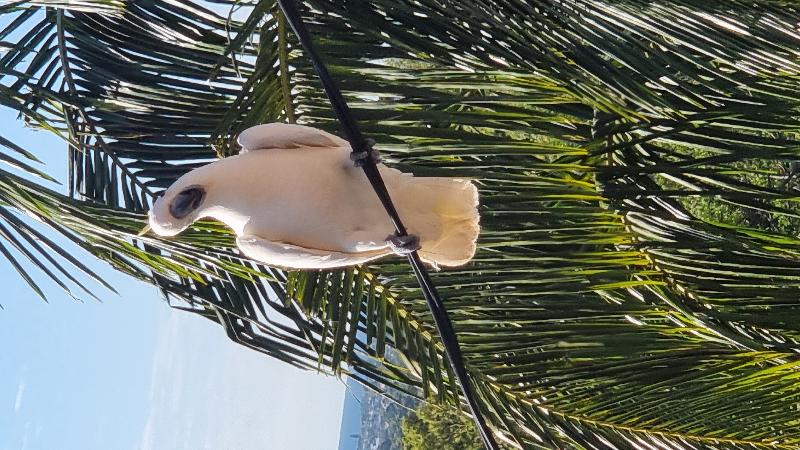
column 186, row 202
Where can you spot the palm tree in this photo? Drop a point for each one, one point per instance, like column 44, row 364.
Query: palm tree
column 637, row 280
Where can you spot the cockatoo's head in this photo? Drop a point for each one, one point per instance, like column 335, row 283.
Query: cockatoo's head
column 180, row 206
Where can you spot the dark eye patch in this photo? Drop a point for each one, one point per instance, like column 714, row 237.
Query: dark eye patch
column 186, row 202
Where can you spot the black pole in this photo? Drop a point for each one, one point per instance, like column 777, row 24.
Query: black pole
column 359, row 145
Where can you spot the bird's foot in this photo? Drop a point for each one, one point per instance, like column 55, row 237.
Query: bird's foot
column 361, row 158
column 403, row 245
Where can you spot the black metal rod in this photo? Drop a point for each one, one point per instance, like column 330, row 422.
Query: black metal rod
column 358, row 144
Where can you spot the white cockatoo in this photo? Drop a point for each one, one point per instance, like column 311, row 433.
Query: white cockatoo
column 296, row 200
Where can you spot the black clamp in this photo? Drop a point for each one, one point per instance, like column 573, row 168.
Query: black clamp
column 403, row 245
column 361, row 158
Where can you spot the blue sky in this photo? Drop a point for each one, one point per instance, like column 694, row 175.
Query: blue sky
column 131, row 373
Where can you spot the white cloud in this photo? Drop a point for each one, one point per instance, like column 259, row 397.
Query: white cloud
column 167, row 362
column 20, row 391
column 203, row 395
column 146, row 442
column 26, row 436
column 165, row 352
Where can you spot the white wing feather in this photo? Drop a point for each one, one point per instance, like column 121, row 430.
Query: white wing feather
column 286, row 136
column 295, row 257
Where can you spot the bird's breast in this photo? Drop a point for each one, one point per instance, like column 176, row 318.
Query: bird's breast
column 306, row 197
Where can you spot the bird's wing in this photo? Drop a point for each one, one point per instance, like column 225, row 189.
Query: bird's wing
column 295, row 257
column 284, row 135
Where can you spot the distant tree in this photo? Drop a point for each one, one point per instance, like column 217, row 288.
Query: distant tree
column 440, row 427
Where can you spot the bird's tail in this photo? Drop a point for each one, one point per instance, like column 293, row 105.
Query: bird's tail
column 445, row 217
